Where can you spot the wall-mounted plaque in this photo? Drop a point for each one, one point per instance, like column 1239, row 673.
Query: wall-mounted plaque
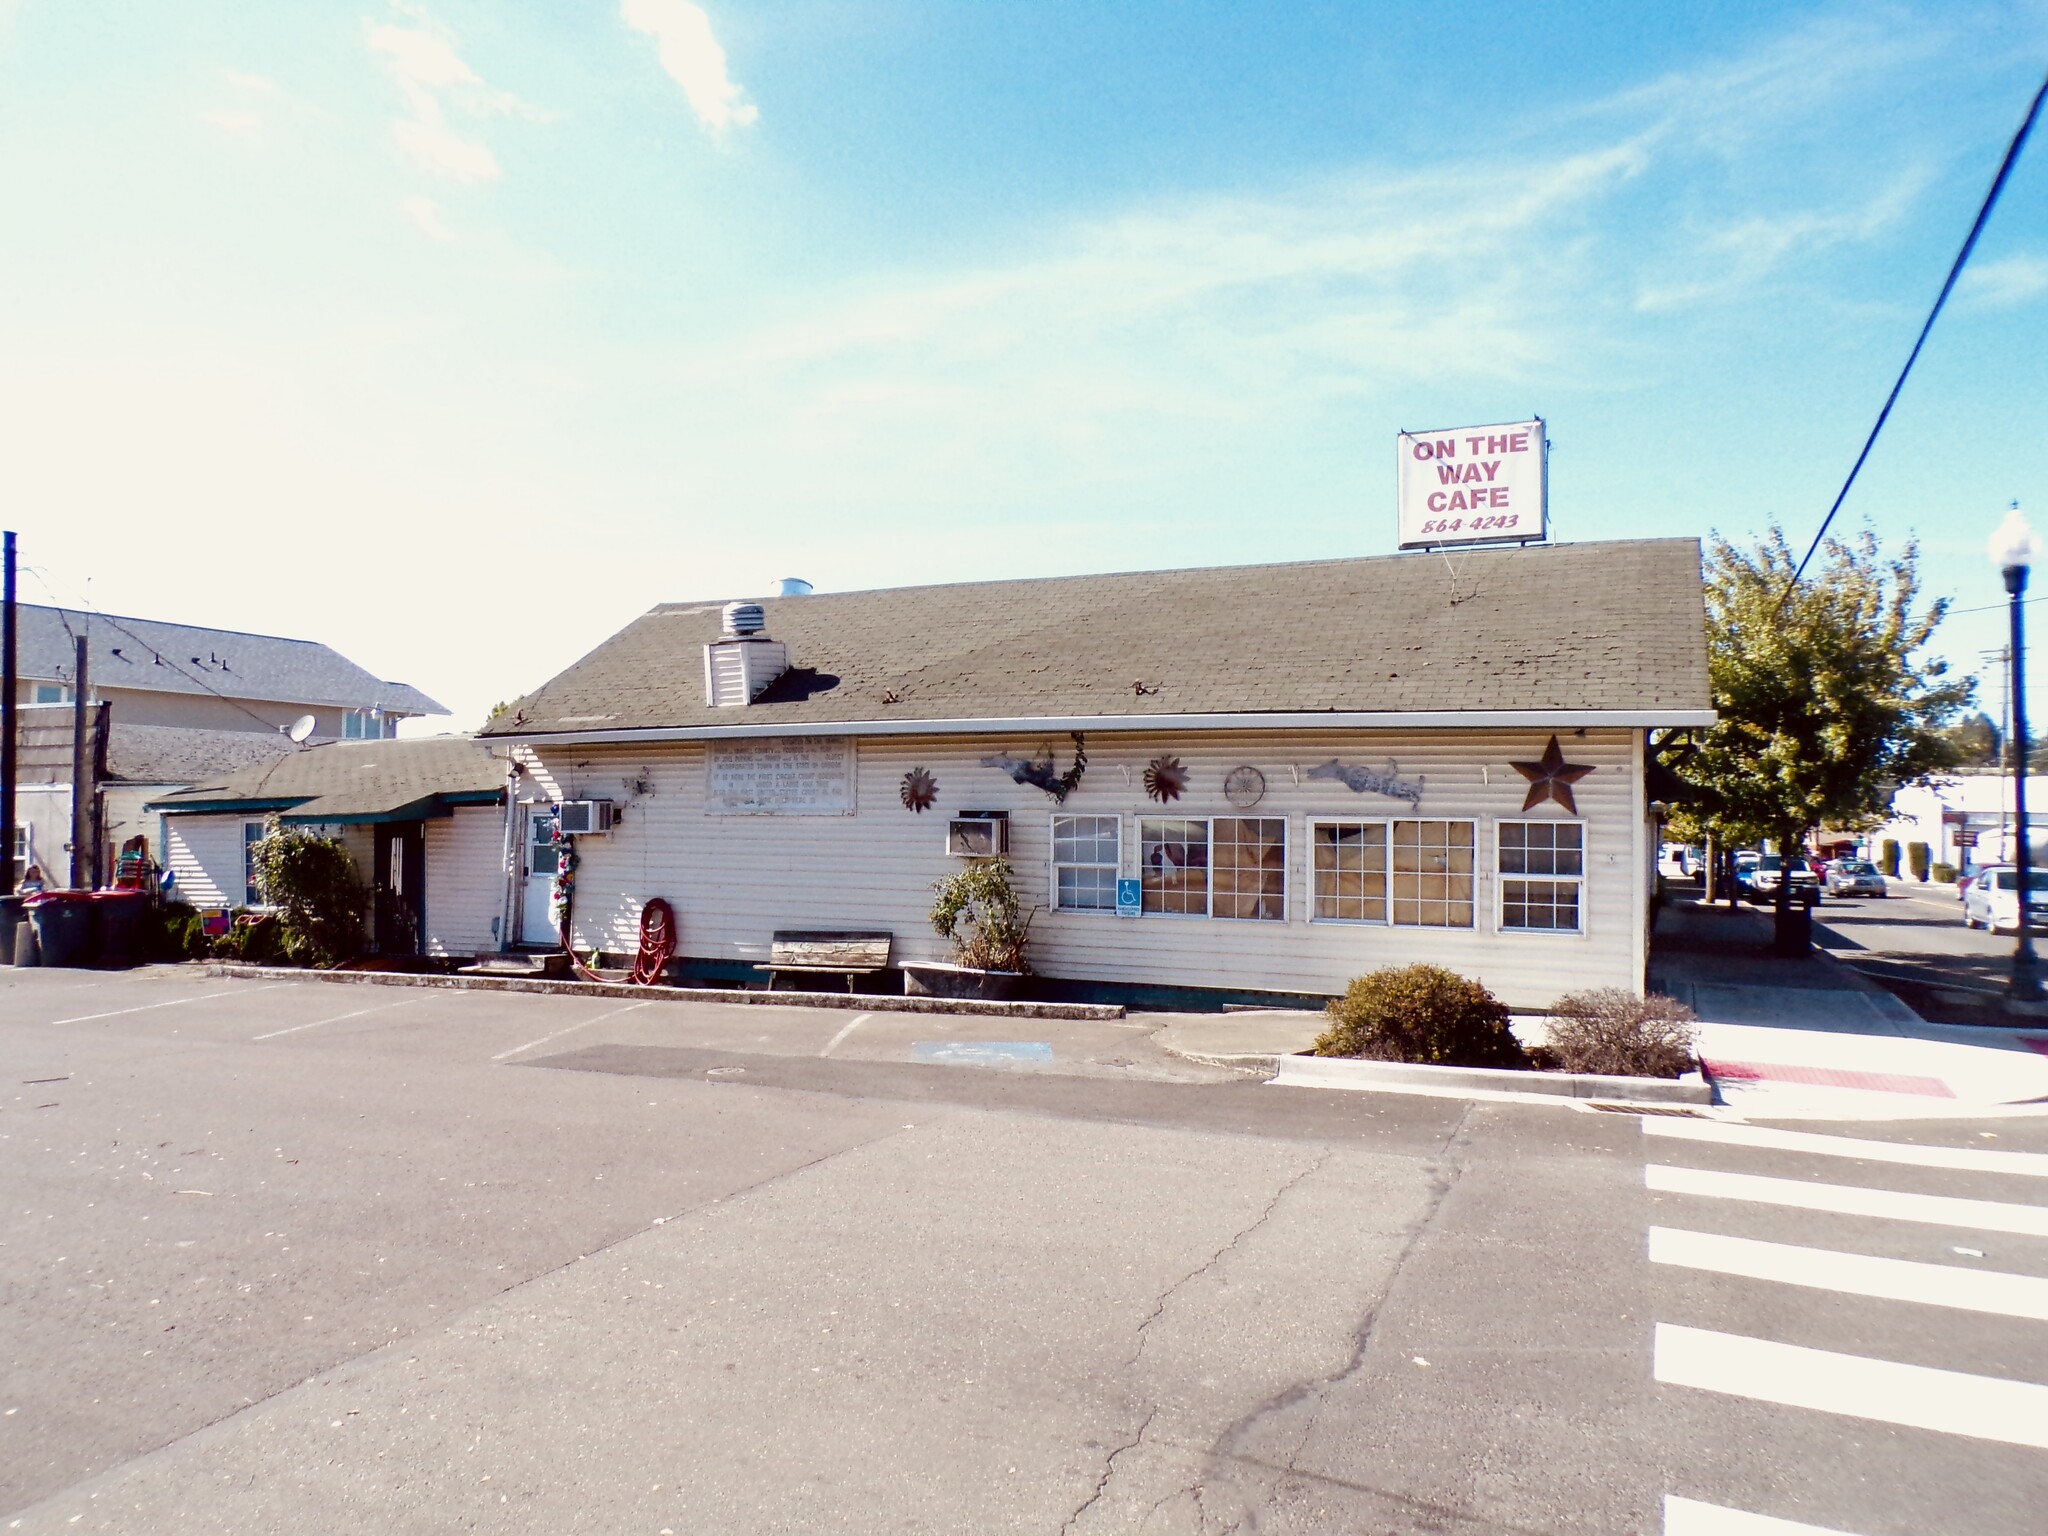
column 779, row 776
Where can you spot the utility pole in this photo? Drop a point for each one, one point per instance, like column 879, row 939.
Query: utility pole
column 82, row 786
column 9, row 670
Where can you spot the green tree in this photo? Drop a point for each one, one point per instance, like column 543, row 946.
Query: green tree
column 319, row 897
column 1827, row 700
column 1976, row 741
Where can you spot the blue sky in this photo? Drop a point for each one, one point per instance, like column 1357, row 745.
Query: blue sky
column 458, row 333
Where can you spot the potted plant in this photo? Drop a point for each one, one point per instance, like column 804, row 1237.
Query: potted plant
column 978, row 908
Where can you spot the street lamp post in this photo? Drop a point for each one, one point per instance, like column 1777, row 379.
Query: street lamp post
column 2012, row 550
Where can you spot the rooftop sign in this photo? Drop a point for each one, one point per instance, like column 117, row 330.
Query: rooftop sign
column 1473, row 485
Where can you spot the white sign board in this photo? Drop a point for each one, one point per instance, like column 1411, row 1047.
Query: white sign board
column 1473, row 485
column 779, row 776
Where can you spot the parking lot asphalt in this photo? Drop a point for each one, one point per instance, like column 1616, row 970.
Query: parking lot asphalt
column 282, row 1256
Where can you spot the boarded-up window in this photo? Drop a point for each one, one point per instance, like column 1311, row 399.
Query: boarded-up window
column 1542, row 870
column 1350, row 871
column 1432, row 874
column 1084, row 863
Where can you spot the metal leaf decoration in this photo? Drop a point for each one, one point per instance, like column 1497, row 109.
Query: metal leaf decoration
column 920, row 790
column 1165, row 778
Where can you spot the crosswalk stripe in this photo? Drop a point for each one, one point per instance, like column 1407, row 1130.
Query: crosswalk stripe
column 1975, row 1159
column 1856, row 1274
column 1850, row 1199
column 1917, row 1396
column 1688, row 1517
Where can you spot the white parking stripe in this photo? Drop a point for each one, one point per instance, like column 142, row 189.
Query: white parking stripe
column 571, row 1029
column 1917, row 1396
column 176, row 1002
column 850, row 1026
column 1855, row 1274
column 1975, row 1159
column 335, row 1020
column 1685, row 1517
column 1850, row 1199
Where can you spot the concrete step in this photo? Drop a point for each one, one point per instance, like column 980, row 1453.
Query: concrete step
column 552, row 965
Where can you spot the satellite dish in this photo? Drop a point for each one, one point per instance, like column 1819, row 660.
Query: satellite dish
column 300, row 728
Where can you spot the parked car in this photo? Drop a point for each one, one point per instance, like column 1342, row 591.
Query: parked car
column 1992, row 900
column 1855, row 877
column 1760, row 880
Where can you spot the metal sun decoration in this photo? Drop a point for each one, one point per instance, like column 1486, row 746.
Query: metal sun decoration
column 1165, row 778
column 920, row 790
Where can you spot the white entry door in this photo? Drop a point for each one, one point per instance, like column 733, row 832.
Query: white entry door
column 540, row 858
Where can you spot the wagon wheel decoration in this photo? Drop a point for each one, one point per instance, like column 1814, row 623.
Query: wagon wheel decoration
column 920, row 790
column 1165, row 778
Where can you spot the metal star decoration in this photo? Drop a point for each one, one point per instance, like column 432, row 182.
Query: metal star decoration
column 1552, row 778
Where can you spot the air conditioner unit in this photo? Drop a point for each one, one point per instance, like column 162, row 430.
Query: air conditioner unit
column 583, row 818
column 978, row 835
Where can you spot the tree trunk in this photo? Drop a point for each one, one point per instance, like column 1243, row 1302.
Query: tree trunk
column 1710, row 869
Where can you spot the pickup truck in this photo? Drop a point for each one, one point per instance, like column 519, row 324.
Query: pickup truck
column 1760, row 880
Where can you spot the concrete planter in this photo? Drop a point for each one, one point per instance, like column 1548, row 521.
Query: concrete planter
column 1349, row 1072
column 934, row 978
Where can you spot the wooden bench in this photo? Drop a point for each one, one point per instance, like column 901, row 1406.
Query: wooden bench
column 831, row 954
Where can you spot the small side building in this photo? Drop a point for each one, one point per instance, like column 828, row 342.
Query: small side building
column 1234, row 782
column 423, row 820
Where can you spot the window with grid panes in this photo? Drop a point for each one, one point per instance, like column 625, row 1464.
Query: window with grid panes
column 1174, row 866
column 1542, row 870
column 1248, row 868
column 1350, row 866
column 1432, row 874
column 1084, row 863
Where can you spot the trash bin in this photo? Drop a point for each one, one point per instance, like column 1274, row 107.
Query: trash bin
column 63, row 923
column 10, row 919
column 1793, row 931
column 122, row 916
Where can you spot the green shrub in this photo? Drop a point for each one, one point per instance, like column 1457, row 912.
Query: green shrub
column 254, row 938
column 319, row 899
column 1610, row 1030
column 982, row 896
column 1420, row 1013
column 1943, row 874
column 178, row 934
column 1918, row 856
column 1888, row 857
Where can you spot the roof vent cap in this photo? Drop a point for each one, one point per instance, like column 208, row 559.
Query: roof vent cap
column 791, row 586
column 744, row 619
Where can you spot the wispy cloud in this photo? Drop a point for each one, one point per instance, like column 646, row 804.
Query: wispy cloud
column 231, row 120
column 431, row 76
column 2006, row 281
column 691, row 55
column 426, row 216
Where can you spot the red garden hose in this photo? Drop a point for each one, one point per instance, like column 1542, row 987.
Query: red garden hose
column 657, row 942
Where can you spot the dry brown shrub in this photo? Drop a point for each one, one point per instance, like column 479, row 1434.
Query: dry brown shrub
column 1613, row 1032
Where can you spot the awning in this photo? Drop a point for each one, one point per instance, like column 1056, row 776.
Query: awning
column 368, row 807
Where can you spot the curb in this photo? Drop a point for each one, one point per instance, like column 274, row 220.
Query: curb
column 1349, row 1072
column 845, row 1001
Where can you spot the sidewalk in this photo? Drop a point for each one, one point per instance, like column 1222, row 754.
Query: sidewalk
column 1813, row 1039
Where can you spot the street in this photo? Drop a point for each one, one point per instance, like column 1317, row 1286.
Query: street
column 291, row 1256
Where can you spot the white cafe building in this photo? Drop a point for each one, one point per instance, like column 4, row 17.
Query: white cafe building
column 1249, row 781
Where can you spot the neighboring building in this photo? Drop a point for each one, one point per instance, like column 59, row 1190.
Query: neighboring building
column 423, row 820
column 1309, row 770
column 180, row 702
column 1966, row 820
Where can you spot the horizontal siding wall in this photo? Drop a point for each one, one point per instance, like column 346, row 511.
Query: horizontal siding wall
column 734, row 880
column 204, row 854
column 465, row 881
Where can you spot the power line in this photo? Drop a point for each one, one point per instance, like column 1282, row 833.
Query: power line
column 1955, row 271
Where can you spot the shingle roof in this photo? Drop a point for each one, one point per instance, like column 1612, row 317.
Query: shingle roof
column 124, row 653
column 1602, row 626
column 349, row 778
column 179, row 754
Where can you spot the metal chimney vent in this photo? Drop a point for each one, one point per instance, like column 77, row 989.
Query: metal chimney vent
column 744, row 619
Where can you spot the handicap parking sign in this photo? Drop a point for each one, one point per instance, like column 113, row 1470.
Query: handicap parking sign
column 1130, row 898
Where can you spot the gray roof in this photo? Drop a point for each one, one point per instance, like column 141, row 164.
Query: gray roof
column 1575, row 627
column 186, row 658
column 179, row 754
column 352, row 779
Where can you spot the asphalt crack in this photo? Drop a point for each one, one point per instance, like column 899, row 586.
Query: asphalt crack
column 1109, row 1470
